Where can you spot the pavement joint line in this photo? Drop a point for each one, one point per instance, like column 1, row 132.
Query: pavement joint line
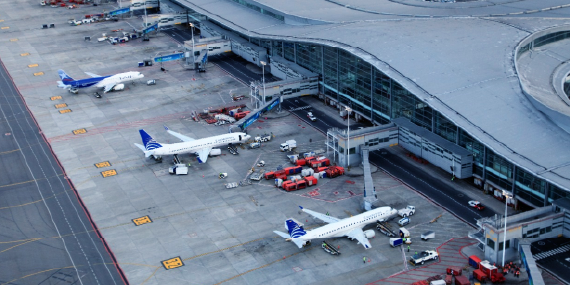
column 25, row 242
column 9, row 151
column 35, row 273
column 153, row 273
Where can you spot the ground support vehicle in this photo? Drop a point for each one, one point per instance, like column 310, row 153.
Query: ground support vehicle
column 288, row 145
column 231, row 185
column 406, row 212
column 329, row 248
column 256, row 176
column 404, row 221
column 385, row 228
column 263, row 138
column 394, row 242
column 178, row 169
column 428, row 235
column 424, row 256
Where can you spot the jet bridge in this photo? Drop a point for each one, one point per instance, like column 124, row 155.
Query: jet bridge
column 370, row 196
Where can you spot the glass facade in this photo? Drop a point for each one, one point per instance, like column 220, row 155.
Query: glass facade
column 367, row 90
column 310, row 57
column 498, row 170
column 530, row 188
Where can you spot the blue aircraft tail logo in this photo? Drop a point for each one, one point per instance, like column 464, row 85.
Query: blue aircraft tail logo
column 295, row 230
column 64, row 77
column 148, row 142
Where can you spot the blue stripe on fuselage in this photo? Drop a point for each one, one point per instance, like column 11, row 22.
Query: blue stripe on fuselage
column 87, row 82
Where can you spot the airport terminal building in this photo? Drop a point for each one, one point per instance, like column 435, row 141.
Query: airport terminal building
column 490, row 76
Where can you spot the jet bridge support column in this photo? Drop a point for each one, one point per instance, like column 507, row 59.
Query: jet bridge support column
column 370, row 196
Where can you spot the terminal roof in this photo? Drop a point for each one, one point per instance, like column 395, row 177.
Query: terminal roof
column 456, row 57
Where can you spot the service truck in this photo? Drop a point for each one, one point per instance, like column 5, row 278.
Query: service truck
column 406, row 212
column 424, row 256
column 263, row 138
column 288, row 145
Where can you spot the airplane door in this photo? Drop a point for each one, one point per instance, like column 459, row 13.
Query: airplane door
column 239, row 137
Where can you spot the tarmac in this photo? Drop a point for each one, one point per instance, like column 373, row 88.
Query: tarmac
column 165, row 229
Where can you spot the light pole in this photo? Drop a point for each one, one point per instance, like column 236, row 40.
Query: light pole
column 193, row 55
column 505, row 233
column 263, row 63
column 348, row 110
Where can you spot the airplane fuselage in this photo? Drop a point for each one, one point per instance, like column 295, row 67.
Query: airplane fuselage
column 103, row 81
column 342, row 227
column 195, row 145
column 118, row 78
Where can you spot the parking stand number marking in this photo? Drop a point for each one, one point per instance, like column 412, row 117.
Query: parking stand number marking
column 108, row 173
column 172, row 263
column 142, row 220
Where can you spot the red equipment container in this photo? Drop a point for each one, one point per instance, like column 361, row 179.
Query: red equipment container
column 275, row 174
column 498, row 278
column 455, row 269
column 301, row 184
column 488, row 268
column 474, row 261
column 311, row 180
column 293, row 170
column 462, row 280
column 448, row 279
column 479, row 275
column 319, row 169
column 305, row 161
column 319, row 163
column 241, row 115
column 334, row 171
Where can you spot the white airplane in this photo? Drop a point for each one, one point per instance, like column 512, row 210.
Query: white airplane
column 200, row 147
column 349, row 227
column 106, row 82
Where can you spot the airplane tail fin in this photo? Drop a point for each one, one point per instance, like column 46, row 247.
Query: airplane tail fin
column 294, row 228
column 148, row 142
column 64, row 77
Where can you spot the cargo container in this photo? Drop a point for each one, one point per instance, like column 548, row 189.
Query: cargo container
column 334, row 171
column 448, row 279
column 474, row 261
column 307, row 172
column 311, row 181
column 321, row 169
column 462, row 280
column 241, row 115
column 319, row 163
column 275, row 174
column 302, row 184
column 293, row 170
column 488, row 268
column 454, row 270
column 479, row 275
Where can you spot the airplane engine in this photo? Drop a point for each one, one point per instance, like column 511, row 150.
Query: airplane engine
column 307, row 243
column 369, row 233
column 215, row 152
column 119, row 87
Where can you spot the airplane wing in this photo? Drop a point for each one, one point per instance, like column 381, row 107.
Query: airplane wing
column 325, row 218
column 203, row 154
column 358, row 234
column 93, row 74
column 108, row 87
column 178, row 135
